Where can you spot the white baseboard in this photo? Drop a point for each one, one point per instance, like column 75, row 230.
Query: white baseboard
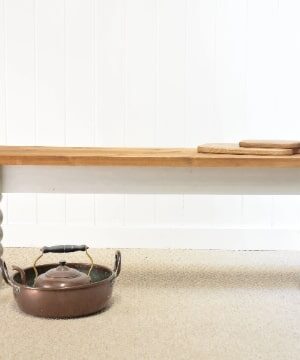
column 16, row 235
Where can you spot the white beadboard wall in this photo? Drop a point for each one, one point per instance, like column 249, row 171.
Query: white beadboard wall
column 149, row 73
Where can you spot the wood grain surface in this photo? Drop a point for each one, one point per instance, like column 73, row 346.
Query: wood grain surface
column 237, row 150
column 276, row 144
column 169, row 157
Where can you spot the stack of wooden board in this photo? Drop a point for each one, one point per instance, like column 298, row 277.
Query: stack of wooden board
column 254, row 147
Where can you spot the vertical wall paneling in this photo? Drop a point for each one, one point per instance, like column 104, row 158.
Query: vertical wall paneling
column 80, row 209
column 262, row 75
column 171, row 90
column 285, row 211
column 148, row 73
column 256, row 211
column 141, row 60
column 286, row 71
column 110, row 55
column 139, row 210
column 50, row 94
column 230, row 66
column 51, row 209
column 20, row 72
column 49, row 35
column 3, row 197
column 109, row 210
column 171, row 68
column 2, row 73
column 79, row 66
column 141, row 72
column 20, row 92
column 227, row 211
column 169, row 209
column 110, row 58
column 79, row 72
column 199, row 210
column 110, row 65
column 262, row 89
column 231, row 42
column 202, row 124
column 21, row 209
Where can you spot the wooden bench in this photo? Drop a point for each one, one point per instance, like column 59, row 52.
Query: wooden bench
column 143, row 170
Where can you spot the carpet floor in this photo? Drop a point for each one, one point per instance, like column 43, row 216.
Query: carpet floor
column 170, row 304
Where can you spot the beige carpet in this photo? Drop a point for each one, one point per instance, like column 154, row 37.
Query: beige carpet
column 171, row 304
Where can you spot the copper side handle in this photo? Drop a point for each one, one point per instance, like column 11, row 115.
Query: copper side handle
column 22, row 273
column 4, row 272
column 6, row 276
column 118, row 262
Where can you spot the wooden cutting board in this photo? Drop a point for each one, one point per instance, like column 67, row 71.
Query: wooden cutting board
column 235, row 149
column 275, row 144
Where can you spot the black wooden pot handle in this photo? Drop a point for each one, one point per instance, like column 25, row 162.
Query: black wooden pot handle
column 63, row 248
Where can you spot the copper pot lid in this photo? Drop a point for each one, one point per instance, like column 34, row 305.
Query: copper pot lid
column 61, row 276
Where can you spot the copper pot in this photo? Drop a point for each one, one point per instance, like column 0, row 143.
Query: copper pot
column 64, row 290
